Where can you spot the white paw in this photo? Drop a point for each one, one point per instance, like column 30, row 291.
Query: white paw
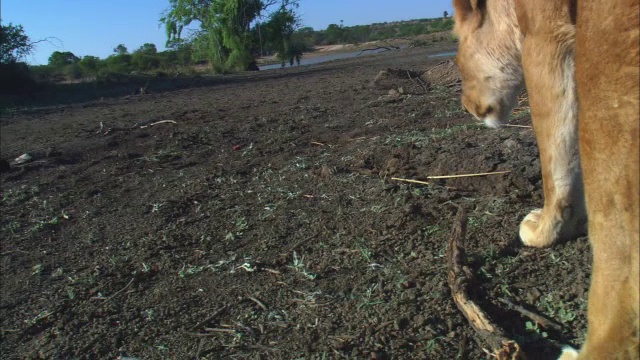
column 568, row 353
column 528, row 227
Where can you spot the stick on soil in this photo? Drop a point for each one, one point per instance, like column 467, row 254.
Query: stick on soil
column 539, row 319
column 468, row 175
column 410, row 181
column 460, row 280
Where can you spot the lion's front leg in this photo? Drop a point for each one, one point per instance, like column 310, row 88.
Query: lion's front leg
column 548, row 68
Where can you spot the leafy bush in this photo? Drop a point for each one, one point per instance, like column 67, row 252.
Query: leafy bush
column 15, row 79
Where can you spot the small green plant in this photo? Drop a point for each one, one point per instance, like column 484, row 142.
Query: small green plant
column 42, row 315
column 70, row 293
column 241, row 224
column 149, row 314
column 433, row 229
column 57, row 273
column 366, row 299
column 557, row 308
column 12, row 227
column 504, row 289
column 533, row 327
column 431, row 346
column 191, row 270
column 299, row 266
column 36, row 269
column 365, row 252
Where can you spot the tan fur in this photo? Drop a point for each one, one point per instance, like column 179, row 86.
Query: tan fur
column 564, row 45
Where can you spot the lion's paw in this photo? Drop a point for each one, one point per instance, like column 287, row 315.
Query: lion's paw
column 530, row 229
column 568, row 353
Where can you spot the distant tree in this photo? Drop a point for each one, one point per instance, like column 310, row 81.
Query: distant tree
column 147, row 49
column 14, row 44
column 446, row 14
column 120, row 49
column 59, row 59
column 308, row 37
column 334, row 34
column 118, row 63
column 183, row 51
column 90, row 64
column 145, row 57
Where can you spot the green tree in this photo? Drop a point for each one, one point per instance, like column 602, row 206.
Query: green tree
column 120, row 50
column 90, row 64
column 59, row 59
column 446, row 14
column 147, row 49
column 117, row 63
column 226, row 38
column 334, row 34
column 14, row 44
column 281, row 28
column 145, row 58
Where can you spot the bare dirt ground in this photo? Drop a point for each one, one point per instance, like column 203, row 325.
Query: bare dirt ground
column 264, row 224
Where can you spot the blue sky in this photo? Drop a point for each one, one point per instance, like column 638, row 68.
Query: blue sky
column 95, row 27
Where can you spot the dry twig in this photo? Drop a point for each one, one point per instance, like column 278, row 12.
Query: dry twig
column 158, row 122
column 539, row 319
column 519, row 126
column 410, row 181
column 468, row 175
column 263, row 306
column 118, row 292
column 215, row 314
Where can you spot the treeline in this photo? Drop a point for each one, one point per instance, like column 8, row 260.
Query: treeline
column 337, row 34
column 146, row 59
column 184, row 55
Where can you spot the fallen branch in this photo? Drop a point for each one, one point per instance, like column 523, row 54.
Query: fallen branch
column 410, row 181
column 467, row 175
column 460, row 279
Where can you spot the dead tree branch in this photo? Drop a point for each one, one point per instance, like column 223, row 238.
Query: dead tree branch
column 460, row 280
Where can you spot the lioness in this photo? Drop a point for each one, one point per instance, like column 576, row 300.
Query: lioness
column 571, row 52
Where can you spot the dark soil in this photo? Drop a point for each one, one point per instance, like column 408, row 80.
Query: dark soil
column 264, row 223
